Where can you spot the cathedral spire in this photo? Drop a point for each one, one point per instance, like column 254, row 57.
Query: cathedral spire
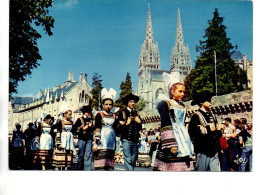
column 179, row 35
column 149, row 58
column 149, row 61
column 149, row 29
column 180, row 60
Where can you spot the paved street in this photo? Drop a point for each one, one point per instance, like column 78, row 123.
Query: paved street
column 120, row 167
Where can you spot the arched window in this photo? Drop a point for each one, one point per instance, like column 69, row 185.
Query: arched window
column 82, row 97
column 83, row 94
column 86, row 99
column 159, row 91
column 79, row 97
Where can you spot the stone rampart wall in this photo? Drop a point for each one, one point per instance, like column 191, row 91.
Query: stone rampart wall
column 233, row 105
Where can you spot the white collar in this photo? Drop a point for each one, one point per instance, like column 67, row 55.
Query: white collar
column 129, row 109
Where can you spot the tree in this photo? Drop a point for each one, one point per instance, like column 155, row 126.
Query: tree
column 140, row 105
column 126, row 88
column 23, row 50
column 230, row 78
column 95, row 102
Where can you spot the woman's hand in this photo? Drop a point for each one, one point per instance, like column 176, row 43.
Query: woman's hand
column 95, row 146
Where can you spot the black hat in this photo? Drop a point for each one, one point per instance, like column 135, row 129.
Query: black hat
column 129, row 97
column 17, row 124
column 48, row 116
column 202, row 97
column 86, row 109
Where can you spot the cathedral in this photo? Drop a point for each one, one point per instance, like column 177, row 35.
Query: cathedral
column 150, row 82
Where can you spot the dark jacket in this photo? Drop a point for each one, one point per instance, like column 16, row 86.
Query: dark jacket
column 129, row 132
column 83, row 134
column 207, row 144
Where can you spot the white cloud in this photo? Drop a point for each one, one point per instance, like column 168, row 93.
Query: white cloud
column 65, row 4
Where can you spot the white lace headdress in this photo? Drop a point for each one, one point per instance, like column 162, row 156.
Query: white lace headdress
column 111, row 94
column 170, row 79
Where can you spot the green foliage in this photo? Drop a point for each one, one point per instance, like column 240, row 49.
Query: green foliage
column 230, row 78
column 126, row 88
column 140, row 105
column 96, row 90
column 23, row 50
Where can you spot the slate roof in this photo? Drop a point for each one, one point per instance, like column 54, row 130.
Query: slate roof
column 64, row 89
column 236, row 55
column 21, row 100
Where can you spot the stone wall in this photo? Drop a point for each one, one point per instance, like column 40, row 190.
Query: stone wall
column 233, row 105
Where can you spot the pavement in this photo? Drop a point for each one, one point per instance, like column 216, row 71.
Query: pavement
column 118, row 166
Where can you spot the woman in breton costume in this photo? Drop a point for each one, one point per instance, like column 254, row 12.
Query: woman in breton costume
column 175, row 150
column 43, row 156
column 143, row 150
column 63, row 155
column 18, row 146
column 104, row 137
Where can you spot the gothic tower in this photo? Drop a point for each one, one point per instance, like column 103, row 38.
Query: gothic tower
column 149, row 65
column 180, row 60
column 149, row 58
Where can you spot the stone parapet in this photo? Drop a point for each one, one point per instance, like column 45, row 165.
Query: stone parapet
column 234, row 105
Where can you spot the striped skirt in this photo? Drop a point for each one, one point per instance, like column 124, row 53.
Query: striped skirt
column 43, row 157
column 62, row 158
column 104, row 160
column 167, row 161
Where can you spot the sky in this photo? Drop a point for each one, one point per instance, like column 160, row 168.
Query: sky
column 106, row 37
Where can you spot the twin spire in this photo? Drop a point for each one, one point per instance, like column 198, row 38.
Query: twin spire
column 149, row 59
column 149, row 30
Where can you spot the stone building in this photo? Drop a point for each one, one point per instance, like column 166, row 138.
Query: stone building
column 150, row 82
column 74, row 93
column 13, row 109
column 244, row 64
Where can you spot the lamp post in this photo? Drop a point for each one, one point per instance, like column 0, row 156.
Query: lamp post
column 216, row 83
